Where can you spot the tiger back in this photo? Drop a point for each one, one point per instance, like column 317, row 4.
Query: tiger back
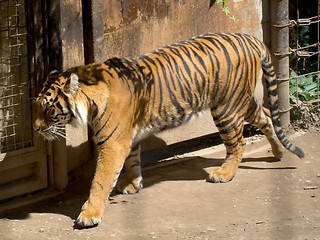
column 126, row 99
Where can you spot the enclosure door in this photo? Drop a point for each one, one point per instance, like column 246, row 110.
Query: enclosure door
column 23, row 157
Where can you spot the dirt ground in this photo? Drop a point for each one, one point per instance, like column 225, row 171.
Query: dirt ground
column 267, row 199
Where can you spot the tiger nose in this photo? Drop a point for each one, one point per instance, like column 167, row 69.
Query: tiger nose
column 38, row 125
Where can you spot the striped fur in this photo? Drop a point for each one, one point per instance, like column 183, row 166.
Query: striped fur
column 126, row 99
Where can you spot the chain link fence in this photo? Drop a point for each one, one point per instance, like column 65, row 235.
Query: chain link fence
column 15, row 123
column 304, row 63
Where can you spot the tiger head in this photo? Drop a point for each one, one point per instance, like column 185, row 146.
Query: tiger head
column 56, row 105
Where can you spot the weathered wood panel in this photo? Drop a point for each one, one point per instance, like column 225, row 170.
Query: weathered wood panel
column 72, row 39
column 132, row 27
column 135, row 27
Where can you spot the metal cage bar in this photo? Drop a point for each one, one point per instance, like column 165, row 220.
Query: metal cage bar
column 15, row 124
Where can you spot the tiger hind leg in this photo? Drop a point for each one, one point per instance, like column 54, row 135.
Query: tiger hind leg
column 133, row 181
column 260, row 117
column 231, row 134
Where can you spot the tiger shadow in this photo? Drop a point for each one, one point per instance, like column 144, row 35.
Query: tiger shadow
column 70, row 201
column 195, row 169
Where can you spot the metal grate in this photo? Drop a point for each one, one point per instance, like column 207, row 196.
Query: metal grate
column 304, row 62
column 15, row 120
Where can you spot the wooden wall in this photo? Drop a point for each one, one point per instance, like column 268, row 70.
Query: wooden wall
column 131, row 27
column 94, row 30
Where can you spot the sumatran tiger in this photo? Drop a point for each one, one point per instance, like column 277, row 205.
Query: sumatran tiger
column 126, row 99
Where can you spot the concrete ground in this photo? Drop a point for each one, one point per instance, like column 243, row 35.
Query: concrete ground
column 267, row 199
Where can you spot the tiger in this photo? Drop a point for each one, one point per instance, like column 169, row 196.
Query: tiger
column 124, row 100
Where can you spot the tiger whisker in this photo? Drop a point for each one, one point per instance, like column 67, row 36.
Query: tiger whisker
column 62, row 134
column 58, row 125
column 50, row 135
column 54, row 131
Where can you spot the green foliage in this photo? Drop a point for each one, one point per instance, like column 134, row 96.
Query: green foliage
column 304, row 88
column 226, row 10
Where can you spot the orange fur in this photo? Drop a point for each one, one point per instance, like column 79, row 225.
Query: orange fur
column 125, row 99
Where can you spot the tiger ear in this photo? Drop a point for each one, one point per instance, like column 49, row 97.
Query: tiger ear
column 73, row 86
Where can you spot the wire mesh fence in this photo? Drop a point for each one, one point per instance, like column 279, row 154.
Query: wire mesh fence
column 15, row 120
column 304, row 63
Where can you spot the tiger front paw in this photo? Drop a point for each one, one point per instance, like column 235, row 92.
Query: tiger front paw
column 128, row 187
column 220, row 176
column 89, row 216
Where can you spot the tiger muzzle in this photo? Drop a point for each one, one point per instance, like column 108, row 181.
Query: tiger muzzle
column 39, row 125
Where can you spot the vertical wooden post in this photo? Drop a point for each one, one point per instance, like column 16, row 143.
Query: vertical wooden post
column 65, row 50
column 280, row 49
column 57, row 153
column 87, row 31
column 97, row 31
column 54, row 40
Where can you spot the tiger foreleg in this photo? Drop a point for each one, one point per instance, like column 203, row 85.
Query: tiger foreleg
column 133, row 181
column 109, row 164
column 227, row 171
column 231, row 133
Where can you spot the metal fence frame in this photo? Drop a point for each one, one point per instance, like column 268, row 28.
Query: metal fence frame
column 308, row 109
column 15, row 130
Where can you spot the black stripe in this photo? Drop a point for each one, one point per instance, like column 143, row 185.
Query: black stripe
column 103, row 113
column 99, row 184
column 172, row 96
column 267, row 65
column 238, row 66
column 95, row 110
column 223, row 124
column 273, row 92
column 169, row 66
column 96, row 134
column 272, row 83
column 229, row 67
column 269, row 72
column 186, row 50
column 107, row 138
column 148, row 63
column 58, row 105
column 182, row 80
